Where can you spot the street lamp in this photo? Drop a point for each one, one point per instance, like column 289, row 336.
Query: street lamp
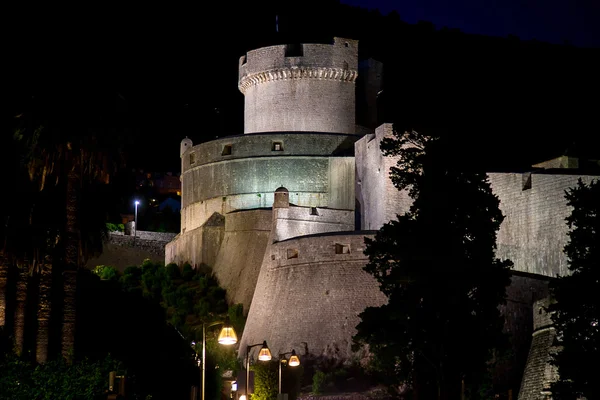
column 137, row 202
column 226, row 337
column 263, row 355
column 294, row 361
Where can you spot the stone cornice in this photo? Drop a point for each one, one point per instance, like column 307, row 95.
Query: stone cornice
column 338, row 74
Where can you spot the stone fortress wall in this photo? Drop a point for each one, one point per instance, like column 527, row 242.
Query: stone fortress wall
column 534, row 231
column 242, row 172
column 309, row 294
column 377, row 199
column 539, row 373
column 304, row 87
column 278, row 215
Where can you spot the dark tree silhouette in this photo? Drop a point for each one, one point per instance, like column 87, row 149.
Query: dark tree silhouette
column 436, row 264
column 576, row 313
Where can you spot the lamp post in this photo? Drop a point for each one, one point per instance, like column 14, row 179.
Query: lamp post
column 226, row 337
column 137, row 202
column 263, row 355
column 294, row 361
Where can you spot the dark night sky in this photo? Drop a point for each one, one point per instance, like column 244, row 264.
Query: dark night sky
column 552, row 21
column 175, row 65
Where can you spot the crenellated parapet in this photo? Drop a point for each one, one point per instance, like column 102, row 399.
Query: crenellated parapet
column 300, row 87
column 341, row 54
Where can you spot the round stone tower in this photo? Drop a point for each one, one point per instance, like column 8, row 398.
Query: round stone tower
column 304, row 87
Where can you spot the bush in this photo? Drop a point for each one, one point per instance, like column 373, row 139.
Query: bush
column 106, row 272
column 115, row 227
column 266, row 383
column 319, row 382
column 187, row 272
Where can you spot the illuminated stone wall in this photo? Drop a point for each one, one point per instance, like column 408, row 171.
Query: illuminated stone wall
column 300, row 221
column 318, row 170
column 304, row 87
column 534, row 232
column 378, row 200
column 309, row 293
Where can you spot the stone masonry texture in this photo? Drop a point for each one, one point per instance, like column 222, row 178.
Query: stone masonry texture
column 538, row 372
column 311, row 89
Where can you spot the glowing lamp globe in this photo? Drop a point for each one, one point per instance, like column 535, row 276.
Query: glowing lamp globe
column 294, row 360
column 264, row 354
column 227, row 336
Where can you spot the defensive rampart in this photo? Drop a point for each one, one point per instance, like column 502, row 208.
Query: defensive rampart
column 534, row 232
column 303, row 87
column 120, row 252
column 295, row 221
column 309, row 293
column 539, row 373
column 242, row 172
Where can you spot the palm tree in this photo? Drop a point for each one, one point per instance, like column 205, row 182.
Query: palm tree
column 43, row 311
column 22, row 281
column 66, row 158
column 3, row 283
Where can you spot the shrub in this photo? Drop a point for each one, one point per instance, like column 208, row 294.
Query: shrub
column 319, row 382
column 265, row 380
column 187, row 272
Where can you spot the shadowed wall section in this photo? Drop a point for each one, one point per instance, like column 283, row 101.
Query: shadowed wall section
column 199, row 246
column 241, row 253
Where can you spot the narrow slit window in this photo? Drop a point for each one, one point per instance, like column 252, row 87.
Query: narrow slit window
column 314, row 211
column 192, row 158
column 226, row 150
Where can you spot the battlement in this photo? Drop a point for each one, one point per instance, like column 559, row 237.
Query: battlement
column 292, row 61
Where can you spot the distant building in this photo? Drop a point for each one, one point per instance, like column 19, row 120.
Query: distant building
column 160, row 183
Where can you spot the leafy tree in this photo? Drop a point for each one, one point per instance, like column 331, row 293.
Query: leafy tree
column 576, row 313
column 436, row 264
column 188, row 299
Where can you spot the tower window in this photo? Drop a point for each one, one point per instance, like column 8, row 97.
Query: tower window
column 342, row 248
column 192, row 158
column 226, row 150
column 277, row 146
column 313, row 211
column 292, row 253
